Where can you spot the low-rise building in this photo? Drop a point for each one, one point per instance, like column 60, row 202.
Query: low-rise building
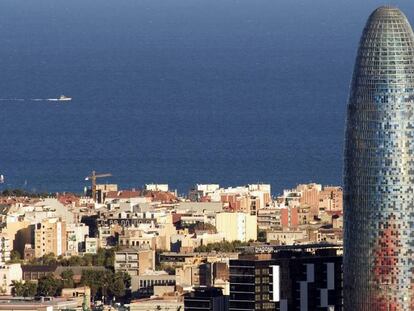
column 5, row 248
column 136, row 237
column 285, row 237
column 143, row 285
column 164, row 303
column 91, row 245
column 81, row 294
column 38, row 304
column 8, row 274
column 134, row 260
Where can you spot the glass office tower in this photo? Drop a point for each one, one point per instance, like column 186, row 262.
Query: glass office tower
column 379, row 168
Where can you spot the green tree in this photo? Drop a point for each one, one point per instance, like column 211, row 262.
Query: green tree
column 67, row 278
column 48, row 259
column 30, row 289
column 48, row 286
column 18, row 288
column 92, row 279
column 15, row 256
column 75, row 261
column 27, row 289
column 88, row 260
column 223, row 246
column 110, row 258
column 117, row 287
column 261, row 235
column 99, row 258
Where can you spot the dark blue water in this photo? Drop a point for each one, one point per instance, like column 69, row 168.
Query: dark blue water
column 176, row 91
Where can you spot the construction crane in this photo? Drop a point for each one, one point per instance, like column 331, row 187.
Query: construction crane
column 93, row 178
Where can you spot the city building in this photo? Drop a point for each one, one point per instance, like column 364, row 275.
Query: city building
column 50, row 237
column 5, row 248
column 82, row 294
column 8, row 274
column 91, row 245
column 156, row 187
column 102, row 190
column 143, row 285
column 8, row 303
column 206, row 299
column 137, row 237
column 286, row 278
column 379, row 168
column 249, row 283
column 75, row 238
column 164, row 303
column 237, row 226
column 268, row 218
column 134, row 260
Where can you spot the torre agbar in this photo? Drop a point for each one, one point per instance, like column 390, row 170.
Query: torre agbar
column 379, row 168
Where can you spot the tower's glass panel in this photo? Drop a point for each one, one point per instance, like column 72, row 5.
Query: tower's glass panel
column 379, row 168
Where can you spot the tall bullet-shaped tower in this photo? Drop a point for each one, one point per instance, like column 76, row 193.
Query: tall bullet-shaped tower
column 379, row 168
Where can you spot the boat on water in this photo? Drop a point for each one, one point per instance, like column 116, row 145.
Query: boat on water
column 64, row 98
column 1, row 179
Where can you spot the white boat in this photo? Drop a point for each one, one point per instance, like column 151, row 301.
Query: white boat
column 64, row 98
column 1, row 179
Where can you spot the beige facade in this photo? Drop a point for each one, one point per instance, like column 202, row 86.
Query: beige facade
column 158, row 304
column 81, row 294
column 136, row 237
column 50, row 237
column 5, row 248
column 237, row 226
column 330, row 199
column 285, row 237
column 20, row 233
column 8, row 274
column 91, row 245
column 134, row 261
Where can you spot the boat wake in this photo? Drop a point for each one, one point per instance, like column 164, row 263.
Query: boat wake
column 61, row 98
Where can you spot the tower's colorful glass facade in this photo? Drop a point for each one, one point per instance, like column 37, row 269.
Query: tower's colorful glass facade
column 379, row 168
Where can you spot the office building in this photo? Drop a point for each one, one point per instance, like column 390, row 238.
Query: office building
column 206, row 299
column 379, row 168
column 287, row 278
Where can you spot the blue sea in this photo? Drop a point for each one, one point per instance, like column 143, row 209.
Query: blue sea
column 176, row 91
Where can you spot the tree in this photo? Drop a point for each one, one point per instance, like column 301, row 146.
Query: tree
column 18, row 288
column 48, row 286
column 117, row 287
column 75, row 261
column 30, row 290
column 27, row 289
column 88, row 260
column 110, row 258
column 167, row 268
column 261, row 235
column 106, row 283
column 92, row 279
column 67, row 278
column 48, row 259
column 99, row 258
column 223, row 246
column 15, row 256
